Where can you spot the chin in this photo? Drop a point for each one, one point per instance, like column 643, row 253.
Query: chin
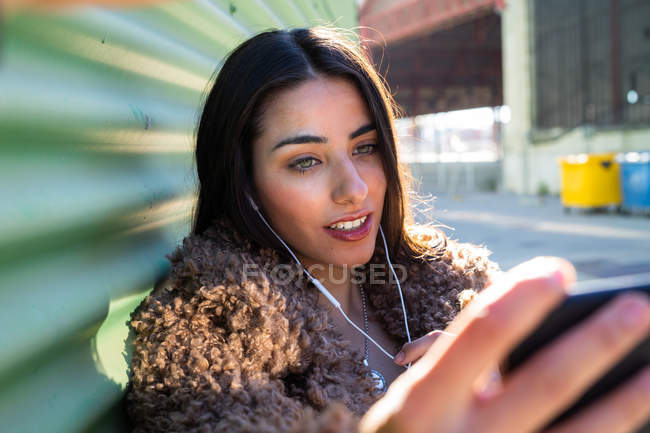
column 358, row 256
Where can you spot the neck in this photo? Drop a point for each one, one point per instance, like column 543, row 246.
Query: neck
column 338, row 281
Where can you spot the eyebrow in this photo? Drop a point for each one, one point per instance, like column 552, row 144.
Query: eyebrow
column 301, row 139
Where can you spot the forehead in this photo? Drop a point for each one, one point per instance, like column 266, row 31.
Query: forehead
column 323, row 105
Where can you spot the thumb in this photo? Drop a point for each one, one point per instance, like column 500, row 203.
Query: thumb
column 414, row 350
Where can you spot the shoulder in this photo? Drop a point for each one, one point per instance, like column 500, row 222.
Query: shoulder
column 215, row 274
column 210, row 330
column 447, row 276
column 213, row 311
column 466, row 258
column 220, row 255
column 202, row 267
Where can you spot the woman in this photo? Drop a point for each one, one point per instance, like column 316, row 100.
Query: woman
column 284, row 308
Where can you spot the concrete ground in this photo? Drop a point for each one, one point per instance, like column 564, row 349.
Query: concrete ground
column 517, row 228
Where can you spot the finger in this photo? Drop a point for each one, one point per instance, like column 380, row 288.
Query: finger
column 486, row 329
column 556, row 376
column 493, row 275
column 624, row 410
column 412, row 351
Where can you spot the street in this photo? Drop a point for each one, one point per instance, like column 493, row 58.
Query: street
column 517, row 228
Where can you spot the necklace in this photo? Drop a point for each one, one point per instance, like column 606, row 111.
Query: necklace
column 376, row 376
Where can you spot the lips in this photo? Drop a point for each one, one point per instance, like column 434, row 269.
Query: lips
column 349, row 218
column 355, row 234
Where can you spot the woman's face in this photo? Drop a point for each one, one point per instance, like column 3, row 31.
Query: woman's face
column 317, row 162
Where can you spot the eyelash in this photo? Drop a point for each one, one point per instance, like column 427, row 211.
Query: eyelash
column 295, row 165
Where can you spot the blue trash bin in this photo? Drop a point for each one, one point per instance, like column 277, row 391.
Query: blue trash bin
column 635, row 181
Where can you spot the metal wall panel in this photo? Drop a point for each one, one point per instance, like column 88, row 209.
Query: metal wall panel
column 97, row 110
column 592, row 63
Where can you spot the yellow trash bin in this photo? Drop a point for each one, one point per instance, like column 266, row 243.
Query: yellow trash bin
column 590, row 180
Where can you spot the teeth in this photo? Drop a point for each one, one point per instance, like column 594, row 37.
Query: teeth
column 348, row 225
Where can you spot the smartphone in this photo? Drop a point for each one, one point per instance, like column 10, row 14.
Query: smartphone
column 584, row 298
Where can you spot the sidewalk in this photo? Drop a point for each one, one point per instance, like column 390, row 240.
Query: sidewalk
column 517, row 228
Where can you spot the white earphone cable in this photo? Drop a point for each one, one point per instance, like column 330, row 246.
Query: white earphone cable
column 399, row 288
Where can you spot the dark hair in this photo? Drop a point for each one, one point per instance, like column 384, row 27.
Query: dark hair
column 262, row 65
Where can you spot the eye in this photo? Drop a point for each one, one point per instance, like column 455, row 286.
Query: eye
column 300, row 165
column 368, row 148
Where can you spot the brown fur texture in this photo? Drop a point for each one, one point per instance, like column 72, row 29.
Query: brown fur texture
column 219, row 350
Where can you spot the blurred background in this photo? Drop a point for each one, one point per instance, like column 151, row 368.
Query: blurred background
column 528, row 120
column 525, row 124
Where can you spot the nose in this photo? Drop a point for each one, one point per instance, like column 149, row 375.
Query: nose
column 349, row 186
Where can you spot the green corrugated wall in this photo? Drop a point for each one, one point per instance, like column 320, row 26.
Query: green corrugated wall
column 97, row 111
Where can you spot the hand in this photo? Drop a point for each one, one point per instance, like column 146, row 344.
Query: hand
column 441, row 393
column 413, row 351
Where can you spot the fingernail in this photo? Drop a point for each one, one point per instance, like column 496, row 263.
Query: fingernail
column 491, row 388
column 568, row 275
column 633, row 314
column 557, row 268
column 490, row 385
column 399, row 358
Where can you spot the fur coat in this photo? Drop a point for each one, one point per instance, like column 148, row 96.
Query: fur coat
column 219, row 349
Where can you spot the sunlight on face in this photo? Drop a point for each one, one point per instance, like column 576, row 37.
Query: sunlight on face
column 329, row 167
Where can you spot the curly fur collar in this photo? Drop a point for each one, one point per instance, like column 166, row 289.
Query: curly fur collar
column 218, row 348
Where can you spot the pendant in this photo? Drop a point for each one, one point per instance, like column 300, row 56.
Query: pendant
column 379, row 379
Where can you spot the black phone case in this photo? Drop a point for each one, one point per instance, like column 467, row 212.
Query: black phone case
column 585, row 297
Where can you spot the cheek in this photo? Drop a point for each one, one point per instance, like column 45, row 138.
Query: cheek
column 376, row 178
column 289, row 200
